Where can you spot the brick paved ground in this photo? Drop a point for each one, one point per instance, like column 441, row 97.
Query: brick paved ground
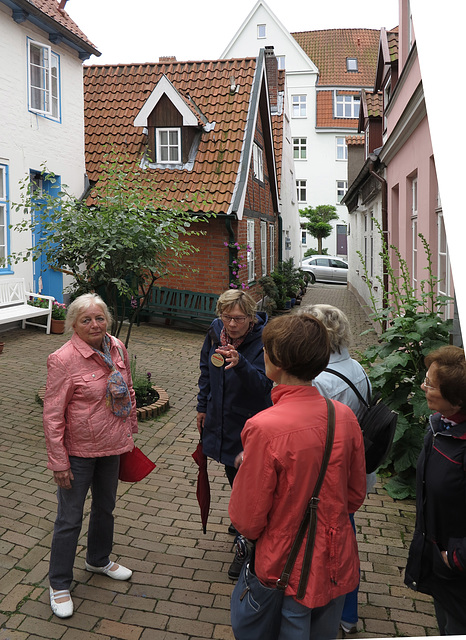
column 179, row 589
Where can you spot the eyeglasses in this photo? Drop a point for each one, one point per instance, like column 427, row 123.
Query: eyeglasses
column 236, row 319
column 427, row 384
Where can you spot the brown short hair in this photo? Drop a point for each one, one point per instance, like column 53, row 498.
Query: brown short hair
column 451, row 373
column 232, row 297
column 299, row 344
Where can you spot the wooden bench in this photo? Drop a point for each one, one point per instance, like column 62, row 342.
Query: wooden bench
column 14, row 304
column 187, row 306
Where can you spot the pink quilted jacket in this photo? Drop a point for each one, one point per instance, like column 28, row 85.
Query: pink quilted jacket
column 77, row 421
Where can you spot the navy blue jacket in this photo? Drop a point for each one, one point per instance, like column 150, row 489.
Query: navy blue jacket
column 441, row 518
column 229, row 398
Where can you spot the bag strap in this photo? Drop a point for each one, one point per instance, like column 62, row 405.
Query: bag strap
column 310, row 517
column 353, row 386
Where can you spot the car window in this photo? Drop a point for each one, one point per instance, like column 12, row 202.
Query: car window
column 321, row 262
column 338, row 264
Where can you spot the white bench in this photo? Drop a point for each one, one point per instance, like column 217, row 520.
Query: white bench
column 14, row 305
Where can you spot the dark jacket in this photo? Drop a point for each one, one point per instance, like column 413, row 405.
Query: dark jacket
column 229, row 398
column 441, row 518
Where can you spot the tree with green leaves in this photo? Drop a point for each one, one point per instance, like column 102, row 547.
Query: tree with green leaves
column 319, row 221
column 117, row 242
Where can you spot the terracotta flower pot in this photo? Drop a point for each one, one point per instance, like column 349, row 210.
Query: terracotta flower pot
column 57, row 326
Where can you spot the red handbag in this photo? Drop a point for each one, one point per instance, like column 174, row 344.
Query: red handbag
column 134, row 466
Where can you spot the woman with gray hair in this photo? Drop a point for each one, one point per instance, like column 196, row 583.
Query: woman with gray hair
column 89, row 420
column 333, row 387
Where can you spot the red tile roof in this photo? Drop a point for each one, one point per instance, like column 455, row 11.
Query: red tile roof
column 374, row 102
column 329, row 48
column 50, row 8
column 356, row 140
column 114, row 95
column 324, row 112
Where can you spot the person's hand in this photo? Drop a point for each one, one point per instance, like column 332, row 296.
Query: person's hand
column 239, row 460
column 63, row 478
column 230, row 354
column 200, row 422
column 445, row 558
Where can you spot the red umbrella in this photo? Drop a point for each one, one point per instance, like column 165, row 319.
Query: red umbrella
column 203, row 486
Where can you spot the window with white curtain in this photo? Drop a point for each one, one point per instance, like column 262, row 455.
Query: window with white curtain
column 272, row 247
column 264, row 247
column 258, row 162
column 3, row 216
column 168, row 145
column 251, row 253
column 43, row 80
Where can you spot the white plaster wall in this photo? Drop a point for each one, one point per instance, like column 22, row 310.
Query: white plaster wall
column 27, row 141
column 321, row 170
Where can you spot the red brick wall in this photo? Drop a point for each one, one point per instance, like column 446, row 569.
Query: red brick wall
column 212, row 259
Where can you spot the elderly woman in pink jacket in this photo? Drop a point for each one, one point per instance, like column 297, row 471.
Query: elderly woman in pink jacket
column 89, row 420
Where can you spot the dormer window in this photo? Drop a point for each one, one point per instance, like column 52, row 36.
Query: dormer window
column 168, row 145
column 352, row 64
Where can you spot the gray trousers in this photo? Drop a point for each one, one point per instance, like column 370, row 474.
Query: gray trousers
column 101, row 476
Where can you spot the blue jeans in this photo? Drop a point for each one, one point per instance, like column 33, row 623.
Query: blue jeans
column 350, row 610
column 101, row 476
column 301, row 623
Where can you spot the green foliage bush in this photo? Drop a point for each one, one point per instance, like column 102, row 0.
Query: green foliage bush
column 411, row 326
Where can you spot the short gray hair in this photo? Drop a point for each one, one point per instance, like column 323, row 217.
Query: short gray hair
column 336, row 323
column 82, row 303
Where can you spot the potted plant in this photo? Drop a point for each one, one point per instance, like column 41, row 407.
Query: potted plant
column 58, row 317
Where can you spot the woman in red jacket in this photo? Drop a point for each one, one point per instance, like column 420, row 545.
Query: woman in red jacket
column 283, row 452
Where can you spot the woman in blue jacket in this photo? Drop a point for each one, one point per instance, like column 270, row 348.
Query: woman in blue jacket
column 232, row 385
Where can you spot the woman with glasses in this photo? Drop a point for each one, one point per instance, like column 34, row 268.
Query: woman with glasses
column 232, row 385
column 437, row 556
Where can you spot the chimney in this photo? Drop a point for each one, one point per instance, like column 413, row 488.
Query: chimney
column 167, row 58
column 271, row 66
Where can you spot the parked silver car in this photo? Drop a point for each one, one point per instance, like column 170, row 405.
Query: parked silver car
column 326, row 268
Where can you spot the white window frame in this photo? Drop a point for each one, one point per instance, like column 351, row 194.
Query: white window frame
column 251, row 252
column 299, row 106
column 300, row 146
column 281, row 62
column 264, row 247
column 346, row 106
column 301, row 190
column 414, row 238
column 304, row 237
column 168, row 146
column 261, row 31
column 271, row 247
column 352, row 65
column 258, row 162
column 342, row 188
column 4, row 217
column 44, row 97
column 443, row 261
column 341, row 148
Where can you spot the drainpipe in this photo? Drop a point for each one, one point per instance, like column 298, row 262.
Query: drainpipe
column 384, row 188
column 280, row 239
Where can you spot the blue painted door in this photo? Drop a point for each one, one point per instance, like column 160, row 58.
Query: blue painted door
column 46, row 280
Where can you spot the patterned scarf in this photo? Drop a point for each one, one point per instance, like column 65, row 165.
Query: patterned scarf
column 117, row 394
column 235, row 342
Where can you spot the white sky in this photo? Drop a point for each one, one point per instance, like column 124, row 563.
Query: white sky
column 142, row 30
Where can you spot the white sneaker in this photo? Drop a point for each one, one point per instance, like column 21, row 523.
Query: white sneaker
column 61, row 609
column 112, row 570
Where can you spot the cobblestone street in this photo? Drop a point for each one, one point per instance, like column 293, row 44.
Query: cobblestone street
column 180, row 588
